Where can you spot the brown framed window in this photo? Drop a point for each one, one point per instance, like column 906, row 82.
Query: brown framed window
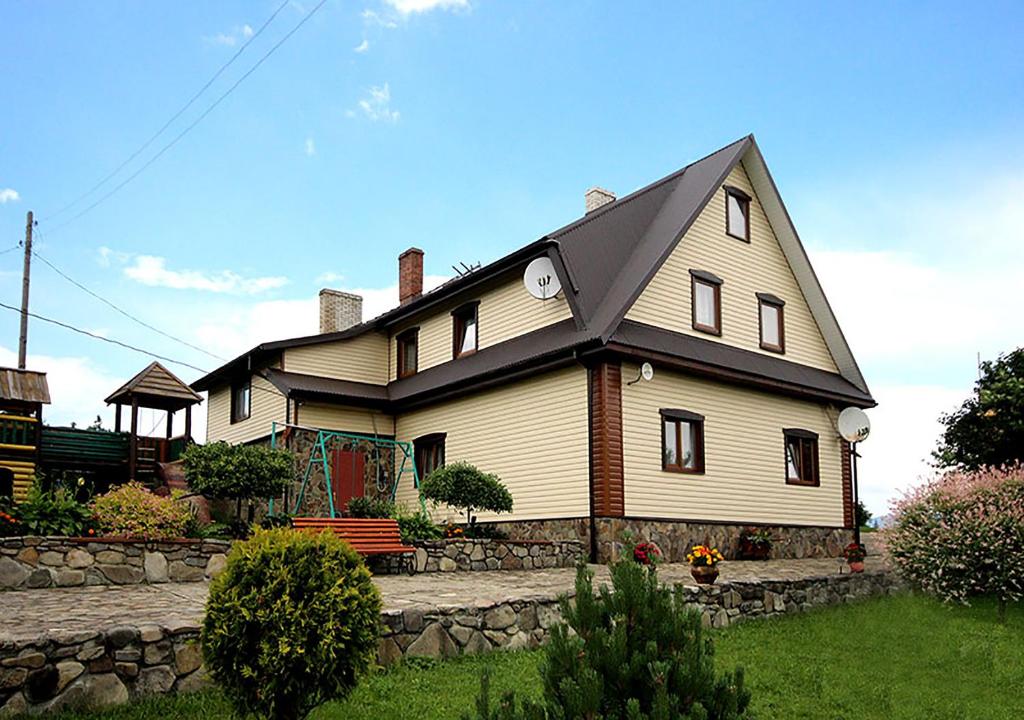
column 464, row 330
column 737, row 213
column 408, row 352
column 771, row 321
column 429, row 453
column 682, row 441
column 241, row 401
column 801, row 457
column 706, row 301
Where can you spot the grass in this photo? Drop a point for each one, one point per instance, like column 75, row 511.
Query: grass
column 899, row 657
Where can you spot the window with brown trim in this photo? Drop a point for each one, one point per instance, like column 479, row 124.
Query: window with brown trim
column 706, row 301
column 737, row 213
column 770, row 321
column 408, row 352
column 682, row 441
column 241, row 401
column 801, row 457
column 429, row 453
column 464, row 330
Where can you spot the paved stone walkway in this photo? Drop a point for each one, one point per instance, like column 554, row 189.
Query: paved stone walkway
column 31, row 613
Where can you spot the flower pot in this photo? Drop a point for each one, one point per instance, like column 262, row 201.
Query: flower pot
column 754, row 551
column 704, row 574
column 856, row 566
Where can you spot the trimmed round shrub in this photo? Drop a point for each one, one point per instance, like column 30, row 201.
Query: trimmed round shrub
column 292, row 622
column 134, row 511
column 466, row 488
column 220, row 470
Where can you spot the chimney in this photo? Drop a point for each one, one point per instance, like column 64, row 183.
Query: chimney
column 596, row 197
column 410, row 275
column 339, row 310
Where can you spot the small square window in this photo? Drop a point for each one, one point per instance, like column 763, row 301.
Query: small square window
column 464, row 330
column 801, row 457
column 706, row 300
column 737, row 213
column 682, row 442
column 770, row 319
column 408, row 352
column 241, row 401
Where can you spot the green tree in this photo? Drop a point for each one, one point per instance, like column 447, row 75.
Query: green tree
column 239, row 472
column 863, row 514
column 466, row 488
column 988, row 428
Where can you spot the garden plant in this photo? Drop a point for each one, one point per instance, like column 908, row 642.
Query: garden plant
column 131, row 510
column 467, row 489
column 52, row 512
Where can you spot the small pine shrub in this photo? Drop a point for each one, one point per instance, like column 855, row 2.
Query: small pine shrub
column 367, row 507
column 292, row 622
column 133, row 511
column 466, row 488
column 634, row 652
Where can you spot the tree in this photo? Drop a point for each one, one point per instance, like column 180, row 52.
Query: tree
column 465, row 488
column 962, row 535
column 863, row 514
column 240, row 472
column 629, row 653
column 987, row 430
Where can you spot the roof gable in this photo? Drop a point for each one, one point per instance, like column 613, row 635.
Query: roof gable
column 157, row 386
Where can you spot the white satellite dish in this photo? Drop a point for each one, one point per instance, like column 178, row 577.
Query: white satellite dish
column 540, row 279
column 647, row 371
column 854, row 425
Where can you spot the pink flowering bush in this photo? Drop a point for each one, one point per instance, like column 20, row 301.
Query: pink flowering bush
column 962, row 535
column 132, row 510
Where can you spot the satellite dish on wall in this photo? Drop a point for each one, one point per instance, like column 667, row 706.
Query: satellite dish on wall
column 540, row 279
column 854, row 425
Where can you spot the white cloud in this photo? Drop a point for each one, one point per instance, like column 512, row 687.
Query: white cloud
column 310, row 147
column 372, row 18
column 362, row 47
column 232, row 38
column 246, row 31
column 377, row 105
column 105, row 255
column 408, row 7
column 329, row 277
column 9, row 195
column 151, row 270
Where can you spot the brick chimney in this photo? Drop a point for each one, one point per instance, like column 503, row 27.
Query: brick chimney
column 596, row 197
column 339, row 310
column 410, row 275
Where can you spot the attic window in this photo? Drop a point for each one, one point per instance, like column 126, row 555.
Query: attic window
column 770, row 319
column 464, row 330
column 241, row 401
column 408, row 352
column 737, row 213
column 706, row 300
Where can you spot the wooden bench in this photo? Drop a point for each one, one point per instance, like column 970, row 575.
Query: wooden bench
column 366, row 536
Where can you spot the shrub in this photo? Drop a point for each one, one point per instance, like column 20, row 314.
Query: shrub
column 366, row 507
column 464, row 487
column 53, row 512
column 417, row 526
column 863, row 514
column 134, row 511
column 10, row 525
column 292, row 622
column 962, row 535
column 633, row 652
column 241, row 472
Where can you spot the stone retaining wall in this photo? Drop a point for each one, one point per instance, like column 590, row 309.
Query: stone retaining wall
column 40, row 562
column 467, row 555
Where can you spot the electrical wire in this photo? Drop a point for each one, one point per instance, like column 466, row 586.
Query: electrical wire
column 103, row 181
column 198, row 120
column 16, row 247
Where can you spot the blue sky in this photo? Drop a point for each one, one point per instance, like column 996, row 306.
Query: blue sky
column 470, row 128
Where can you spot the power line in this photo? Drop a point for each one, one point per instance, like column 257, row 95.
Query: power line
column 174, row 117
column 12, row 249
column 198, row 120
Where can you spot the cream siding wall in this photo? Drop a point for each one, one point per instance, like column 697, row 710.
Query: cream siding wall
column 345, row 419
column 360, row 359
column 744, row 478
column 759, row 266
column 505, row 312
column 267, row 405
column 532, row 434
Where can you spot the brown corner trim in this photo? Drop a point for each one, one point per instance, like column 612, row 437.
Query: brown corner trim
column 606, row 458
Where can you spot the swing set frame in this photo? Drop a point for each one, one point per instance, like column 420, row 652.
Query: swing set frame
column 319, row 455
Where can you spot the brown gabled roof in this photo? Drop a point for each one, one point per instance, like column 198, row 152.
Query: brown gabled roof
column 24, row 386
column 156, row 387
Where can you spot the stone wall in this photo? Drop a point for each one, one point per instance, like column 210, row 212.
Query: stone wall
column 39, row 562
column 467, row 555
column 98, row 669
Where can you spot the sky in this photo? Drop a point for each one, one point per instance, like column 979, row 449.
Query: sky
column 472, row 127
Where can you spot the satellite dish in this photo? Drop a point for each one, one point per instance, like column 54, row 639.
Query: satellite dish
column 854, row 425
column 540, row 279
column 647, row 371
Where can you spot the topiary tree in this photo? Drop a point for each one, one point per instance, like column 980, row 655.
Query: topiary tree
column 238, row 472
column 629, row 653
column 292, row 622
column 962, row 535
column 466, row 488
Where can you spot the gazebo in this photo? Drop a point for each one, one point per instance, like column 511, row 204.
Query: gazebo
column 156, row 388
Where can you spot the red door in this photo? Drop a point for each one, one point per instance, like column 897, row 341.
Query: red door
column 348, row 471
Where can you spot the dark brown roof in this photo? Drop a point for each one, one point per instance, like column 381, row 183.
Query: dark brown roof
column 315, row 387
column 156, row 387
column 24, row 386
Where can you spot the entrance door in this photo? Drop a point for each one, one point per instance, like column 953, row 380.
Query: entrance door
column 348, row 471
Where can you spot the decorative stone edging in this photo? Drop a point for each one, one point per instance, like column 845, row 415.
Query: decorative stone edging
column 468, row 555
column 41, row 562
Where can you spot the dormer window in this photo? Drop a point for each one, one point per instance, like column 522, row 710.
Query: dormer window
column 737, row 213
column 464, row 330
column 706, row 300
column 408, row 352
column 770, row 318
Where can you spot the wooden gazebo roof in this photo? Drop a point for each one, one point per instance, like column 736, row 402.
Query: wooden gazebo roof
column 158, row 388
column 24, row 386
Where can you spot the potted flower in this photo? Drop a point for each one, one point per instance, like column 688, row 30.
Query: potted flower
column 855, row 554
column 756, row 543
column 646, row 553
column 704, row 563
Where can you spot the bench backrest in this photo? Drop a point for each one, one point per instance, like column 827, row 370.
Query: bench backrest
column 366, row 536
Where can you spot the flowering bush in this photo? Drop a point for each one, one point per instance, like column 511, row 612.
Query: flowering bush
column 134, row 511
column 854, row 552
column 10, row 526
column 646, row 553
column 702, row 555
column 451, row 530
column 962, row 535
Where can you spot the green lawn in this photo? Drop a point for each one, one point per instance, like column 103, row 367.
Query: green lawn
column 901, row 657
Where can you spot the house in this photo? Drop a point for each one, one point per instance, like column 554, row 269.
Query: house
column 701, row 275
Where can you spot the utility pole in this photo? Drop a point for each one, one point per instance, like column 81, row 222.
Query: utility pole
column 25, row 276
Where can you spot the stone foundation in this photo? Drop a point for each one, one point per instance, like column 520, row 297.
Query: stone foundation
column 474, row 555
column 40, row 562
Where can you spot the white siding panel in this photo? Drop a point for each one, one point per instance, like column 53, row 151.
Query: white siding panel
column 345, row 419
column 360, row 359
